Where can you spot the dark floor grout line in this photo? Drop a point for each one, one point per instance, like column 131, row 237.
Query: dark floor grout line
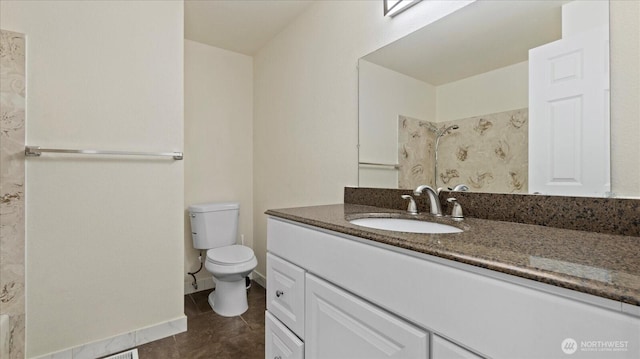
column 257, row 298
column 245, row 322
column 191, row 297
column 175, row 341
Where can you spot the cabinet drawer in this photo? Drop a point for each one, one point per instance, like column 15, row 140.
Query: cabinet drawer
column 281, row 343
column 341, row 325
column 285, row 293
column 444, row 349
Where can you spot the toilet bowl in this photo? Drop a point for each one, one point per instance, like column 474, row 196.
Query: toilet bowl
column 229, row 266
column 214, row 227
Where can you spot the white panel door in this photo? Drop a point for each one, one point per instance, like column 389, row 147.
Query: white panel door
column 340, row 325
column 285, row 293
column 280, row 342
column 569, row 116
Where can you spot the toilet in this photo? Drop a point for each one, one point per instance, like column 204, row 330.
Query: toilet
column 214, row 227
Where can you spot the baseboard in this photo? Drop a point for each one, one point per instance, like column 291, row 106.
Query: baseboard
column 121, row 342
column 203, row 284
column 259, row 278
column 209, row 283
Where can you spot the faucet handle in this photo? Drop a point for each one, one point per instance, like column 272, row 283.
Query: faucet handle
column 456, row 212
column 411, row 208
column 461, row 188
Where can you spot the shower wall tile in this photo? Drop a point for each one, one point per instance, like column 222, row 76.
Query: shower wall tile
column 416, row 151
column 488, row 153
column 12, row 225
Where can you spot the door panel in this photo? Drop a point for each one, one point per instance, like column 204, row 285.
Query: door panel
column 569, row 147
column 340, row 325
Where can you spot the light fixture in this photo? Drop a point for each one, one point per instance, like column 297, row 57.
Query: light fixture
column 394, row 7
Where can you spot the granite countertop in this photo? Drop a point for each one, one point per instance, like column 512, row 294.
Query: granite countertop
column 604, row 265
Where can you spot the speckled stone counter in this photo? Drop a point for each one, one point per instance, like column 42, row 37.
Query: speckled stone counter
column 604, row 265
column 602, row 215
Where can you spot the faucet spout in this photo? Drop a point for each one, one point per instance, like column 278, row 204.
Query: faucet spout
column 434, row 200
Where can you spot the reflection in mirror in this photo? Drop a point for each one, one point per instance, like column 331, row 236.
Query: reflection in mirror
column 525, row 84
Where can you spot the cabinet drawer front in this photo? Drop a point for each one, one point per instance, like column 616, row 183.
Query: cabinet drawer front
column 341, row 325
column 280, row 341
column 444, row 349
column 285, row 293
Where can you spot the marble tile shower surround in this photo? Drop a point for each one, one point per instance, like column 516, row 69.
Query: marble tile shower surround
column 12, row 176
column 601, row 215
column 488, row 153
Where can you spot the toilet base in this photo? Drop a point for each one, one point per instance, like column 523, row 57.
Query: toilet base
column 229, row 299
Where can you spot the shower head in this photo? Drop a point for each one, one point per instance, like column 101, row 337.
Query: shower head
column 448, row 129
column 429, row 126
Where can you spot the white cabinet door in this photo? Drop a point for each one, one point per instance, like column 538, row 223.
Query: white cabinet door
column 285, row 293
column 340, row 325
column 569, row 116
column 444, row 349
column 280, row 342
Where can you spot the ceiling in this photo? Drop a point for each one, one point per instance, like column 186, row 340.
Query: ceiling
column 469, row 42
column 243, row 26
column 483, row 36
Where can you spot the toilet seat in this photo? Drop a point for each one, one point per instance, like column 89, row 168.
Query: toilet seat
column 230, row 255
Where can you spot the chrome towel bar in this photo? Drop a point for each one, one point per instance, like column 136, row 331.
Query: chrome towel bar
column 393, row 166
column 34, row 151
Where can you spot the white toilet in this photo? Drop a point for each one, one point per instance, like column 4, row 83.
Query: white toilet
column 214, row 227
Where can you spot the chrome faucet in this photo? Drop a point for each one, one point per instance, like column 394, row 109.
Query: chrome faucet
column 411, row 208
column 434, row 200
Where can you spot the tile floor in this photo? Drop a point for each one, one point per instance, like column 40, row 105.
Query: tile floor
column 212, row 336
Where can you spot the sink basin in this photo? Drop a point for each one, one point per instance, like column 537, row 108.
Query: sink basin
column 405, row 225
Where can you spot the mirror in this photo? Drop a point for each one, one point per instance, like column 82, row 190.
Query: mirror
column 462, row 101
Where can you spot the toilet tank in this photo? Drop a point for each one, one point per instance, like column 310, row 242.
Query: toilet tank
column 214, row 225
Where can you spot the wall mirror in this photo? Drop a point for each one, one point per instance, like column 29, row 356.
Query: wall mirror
column 501, row 96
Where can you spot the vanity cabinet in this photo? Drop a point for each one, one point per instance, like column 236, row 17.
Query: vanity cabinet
column 284, row 318
column 280, row 342
column 340, row 325
column 285, row 293
column 332, row 322
column 359, row 292
column 444, row 349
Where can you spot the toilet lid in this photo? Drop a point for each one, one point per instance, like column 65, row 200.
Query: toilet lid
column 230, row 254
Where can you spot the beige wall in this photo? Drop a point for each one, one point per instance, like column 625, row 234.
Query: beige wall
column 625, row 92
column 104, row 235
column 495, row 91
column 387, row 94
column 218, row 139
column 306, row 104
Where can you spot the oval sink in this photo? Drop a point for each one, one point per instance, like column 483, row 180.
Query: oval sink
column 405, row 225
